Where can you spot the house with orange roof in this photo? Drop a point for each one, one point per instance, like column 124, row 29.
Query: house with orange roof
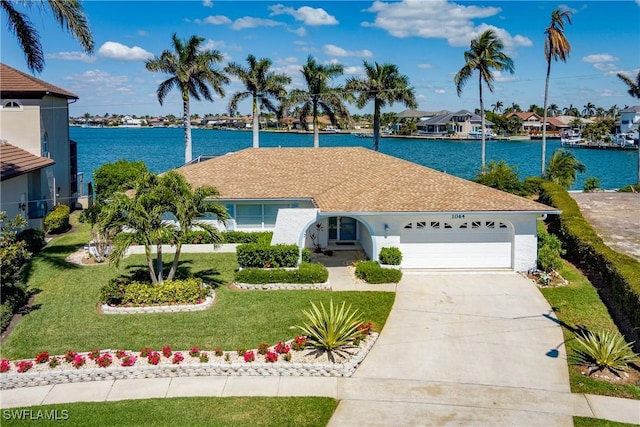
column 34, row 116
column 352, row 197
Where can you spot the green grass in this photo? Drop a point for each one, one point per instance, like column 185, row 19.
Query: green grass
column 191, row 411
column 594, row 422
column 66, row 315
column 579, row 306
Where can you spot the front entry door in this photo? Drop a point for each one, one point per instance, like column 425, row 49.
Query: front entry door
column 343, row 228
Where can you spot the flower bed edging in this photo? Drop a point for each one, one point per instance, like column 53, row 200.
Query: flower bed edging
column 283, row 286
column 9, row 380
column 107, row 309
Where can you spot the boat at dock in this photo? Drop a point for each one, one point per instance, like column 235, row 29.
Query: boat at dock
column 611, row 142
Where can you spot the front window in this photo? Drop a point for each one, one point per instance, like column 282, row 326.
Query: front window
column 44, row 146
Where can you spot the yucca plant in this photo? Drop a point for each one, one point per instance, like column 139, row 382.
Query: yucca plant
column 604, row 350
column 331, row 330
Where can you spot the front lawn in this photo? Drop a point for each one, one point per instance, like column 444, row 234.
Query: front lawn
column 578, row 305
column 191, row 411
column 65, row 315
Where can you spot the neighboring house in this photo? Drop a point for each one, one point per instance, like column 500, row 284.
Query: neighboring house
column 357, row 198
column 531, row 122
column 34, row 116
column 462, row 122
column 629, row 120
column 21, row 176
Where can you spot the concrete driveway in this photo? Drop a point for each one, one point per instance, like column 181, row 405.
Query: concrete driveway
column 462, row 348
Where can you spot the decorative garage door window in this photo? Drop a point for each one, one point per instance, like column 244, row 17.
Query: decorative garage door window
column 438, row 225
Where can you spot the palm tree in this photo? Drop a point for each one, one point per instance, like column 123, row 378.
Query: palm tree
column 484, row 55
column 383, row 85
column 69, row 16
column 320, row 96
column 192, row 71
column 261, row 85
column 589, row 110
column 633, row 86
column 556, row 46
column 563, row 168
column 554, row 109
column 497, row 107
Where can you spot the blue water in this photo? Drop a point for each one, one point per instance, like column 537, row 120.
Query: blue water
column 163, row 149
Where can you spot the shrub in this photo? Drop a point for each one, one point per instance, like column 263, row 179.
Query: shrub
column 263, row 348
column 306, row 273
column 57, row 221
column 33, row 237
column 633, row 188
column 390, row 256
column 332, row 329
column 591, row 184
column 263, row 237
column 532, row 185
column 371, row 272
column 189, row 291
column 604, row 349
column 501, row 176
column 249, row 356
column 549, row 252
column 113, row 292
column 260, row 255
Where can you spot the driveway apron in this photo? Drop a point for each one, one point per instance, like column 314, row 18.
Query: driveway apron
column 462, row 348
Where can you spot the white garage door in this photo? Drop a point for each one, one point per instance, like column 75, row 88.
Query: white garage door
column 448, row 245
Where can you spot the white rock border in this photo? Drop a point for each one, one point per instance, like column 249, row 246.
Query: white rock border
column 208, row 302
column 283, row 286
column 10, row 380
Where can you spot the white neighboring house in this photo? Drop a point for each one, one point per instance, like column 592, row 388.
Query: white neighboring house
column 357, row 198
column 34, row 116
column 629, row 120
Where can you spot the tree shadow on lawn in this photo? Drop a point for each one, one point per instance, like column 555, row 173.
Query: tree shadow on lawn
column 54, row 257
column 140, row 273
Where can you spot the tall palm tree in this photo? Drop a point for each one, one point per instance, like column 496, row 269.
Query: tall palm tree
column 556, row 46
column 320, row 96
column 192, row 71
column 261, row 85
column 497, row 107
column 554, row 109
column 383, row 85
column 69, row 16
column 589, row 110
column 633, row 86
column 563, row 168
column 484, row 55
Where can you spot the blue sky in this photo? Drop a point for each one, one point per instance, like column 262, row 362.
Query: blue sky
column 425, row 38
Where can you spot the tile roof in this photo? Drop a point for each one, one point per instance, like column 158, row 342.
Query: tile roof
column 348, row 179
column 12, row 80
column 15, row 161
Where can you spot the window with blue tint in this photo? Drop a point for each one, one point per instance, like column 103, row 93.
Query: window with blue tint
column 271, row 213
column 249, row 215
column 231, row 209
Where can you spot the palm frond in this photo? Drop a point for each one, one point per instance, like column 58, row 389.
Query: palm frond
column 28, row 37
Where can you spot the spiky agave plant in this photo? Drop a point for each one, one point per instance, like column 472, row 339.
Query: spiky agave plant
column 604, row 350
column 333, row 329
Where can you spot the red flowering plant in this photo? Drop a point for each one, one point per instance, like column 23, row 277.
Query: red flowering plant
column 299, row 343
column 204, row 357
column 218, row 351
column 177, row 358
column 120, row 354
column 53, row 362
column 153, row 358
column 94, row 354
column 128, row 360
column 281, row 348
column 271, row 357
column 262, row 348
column 5, row 365
column 42, row 357
column 104, row 361
column 166, row 351
column 249, row 356
column 78, row 361
column 145, row 351
column 69, row 355
column 364, row 328
column 194, row 352
column 24, row 365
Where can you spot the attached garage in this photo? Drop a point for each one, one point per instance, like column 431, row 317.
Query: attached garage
column 459, row 244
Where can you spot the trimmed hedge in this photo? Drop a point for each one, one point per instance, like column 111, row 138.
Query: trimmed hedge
column 605, row 268
column 58, row 220
column 371, row 272
column 247, row 237
column 306, row 273
column 390, row 256
column 119, row 291
column 264, row 256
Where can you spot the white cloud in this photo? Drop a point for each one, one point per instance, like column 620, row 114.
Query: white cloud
column 600, row 57
column 98, row 84
column 207, row 3
column 425, row 66
column 333, row 50
column 71, row 56
column 309, row 15
column 605, row 67
column 142, row 33
column 214, row 20
column 120, row 52
column 499, row 77
column 440, row 91
column 438, row 19
column 251, row 22
column 219, row 45
column 301, row 32
column 353, row 70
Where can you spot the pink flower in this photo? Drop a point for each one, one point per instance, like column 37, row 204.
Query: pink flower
column 249, row 356
column 5, row 365
column 281, row 348
column 166, row 351
column 128, row 360
column 78, row 361
column 271, row 357
column 24, row 366
column 153, row 358
column 177, row 358
column 42, row 357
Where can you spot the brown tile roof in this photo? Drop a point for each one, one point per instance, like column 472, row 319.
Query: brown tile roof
column 349, row 179
column 12, row 80
column 15, row 161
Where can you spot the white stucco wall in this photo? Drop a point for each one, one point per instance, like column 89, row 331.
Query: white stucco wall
column 290, row 224
column 12, row 192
